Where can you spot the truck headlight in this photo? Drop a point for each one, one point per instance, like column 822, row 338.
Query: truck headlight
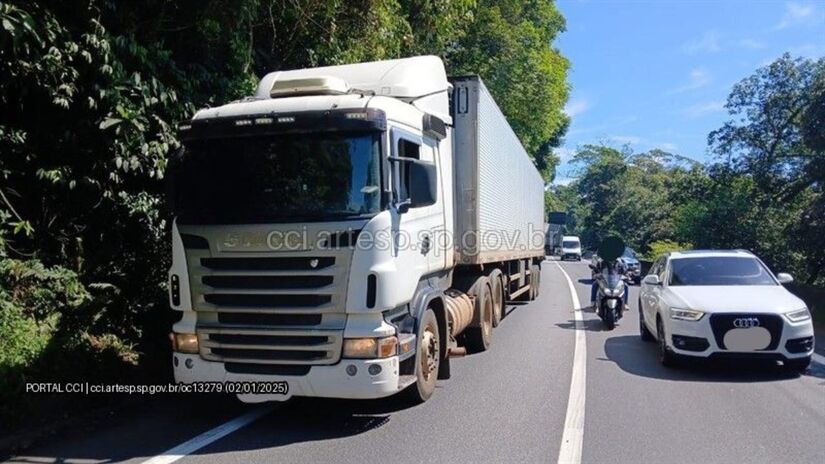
column 685, row 314
column 370, row 348
column 798, row 315
column 184, row 343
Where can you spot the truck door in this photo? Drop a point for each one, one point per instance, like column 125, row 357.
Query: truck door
column 417, row 233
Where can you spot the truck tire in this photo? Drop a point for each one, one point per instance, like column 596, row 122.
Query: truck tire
column 497, row 289
column 478, row 338
column 427, row 359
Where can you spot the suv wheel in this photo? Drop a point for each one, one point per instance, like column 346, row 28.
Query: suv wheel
column 645, row 334
column 667, row 357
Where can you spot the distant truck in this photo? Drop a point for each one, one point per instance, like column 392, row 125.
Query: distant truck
column 346, row 230
column 552, row 240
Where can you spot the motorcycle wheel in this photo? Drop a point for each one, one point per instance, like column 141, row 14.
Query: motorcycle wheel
column 609, row 318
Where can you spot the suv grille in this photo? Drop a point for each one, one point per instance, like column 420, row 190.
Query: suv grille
column 721, row 323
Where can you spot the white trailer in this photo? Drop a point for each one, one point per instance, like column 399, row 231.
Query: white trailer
column 347, row 230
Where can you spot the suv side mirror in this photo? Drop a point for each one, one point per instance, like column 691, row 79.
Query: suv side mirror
column 784, row 278
column 652, row 279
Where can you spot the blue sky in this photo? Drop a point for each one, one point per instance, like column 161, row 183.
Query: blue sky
column 656, row 73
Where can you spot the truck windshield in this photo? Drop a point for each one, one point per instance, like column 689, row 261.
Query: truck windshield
column 570, row 244
column 277, row 178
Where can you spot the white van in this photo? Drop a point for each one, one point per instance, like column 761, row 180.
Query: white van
column 571, row 247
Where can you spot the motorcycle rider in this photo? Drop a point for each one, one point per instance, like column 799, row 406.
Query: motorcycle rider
column 615, row 266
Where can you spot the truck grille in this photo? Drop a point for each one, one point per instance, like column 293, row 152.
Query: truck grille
column 721, row 323
column 265, row 314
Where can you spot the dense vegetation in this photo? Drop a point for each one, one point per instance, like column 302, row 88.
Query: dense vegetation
column 762, row 191
column 92, row 92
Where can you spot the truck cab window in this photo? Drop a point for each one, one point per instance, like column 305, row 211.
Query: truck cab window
column 406, row 149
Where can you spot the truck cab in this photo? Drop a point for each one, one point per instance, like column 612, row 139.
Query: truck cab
column 312, row 242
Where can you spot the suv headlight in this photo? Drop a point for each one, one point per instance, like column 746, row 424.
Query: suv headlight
column 798, row 315
column 685, row 314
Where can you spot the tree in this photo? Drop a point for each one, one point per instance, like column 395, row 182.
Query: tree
column 772, row 112
column 92, row 91
column 508, row 43
column 775, row 138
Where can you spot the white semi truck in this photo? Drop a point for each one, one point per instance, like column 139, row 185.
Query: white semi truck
column 347, row 229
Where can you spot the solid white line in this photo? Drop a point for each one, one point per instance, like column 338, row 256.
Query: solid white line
column 818, row 358
column 208, row 437
column 573, row 436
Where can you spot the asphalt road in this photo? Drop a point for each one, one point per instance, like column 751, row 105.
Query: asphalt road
column 508, row 404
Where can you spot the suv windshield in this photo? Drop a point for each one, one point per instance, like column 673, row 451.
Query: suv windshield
column 719, row 270
column 570, row 244
column 282, row 177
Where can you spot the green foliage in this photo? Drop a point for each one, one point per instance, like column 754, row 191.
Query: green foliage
column 660, row 247
column 775, row 138
column 624, row 194
column 92, row 91
column 764, row 193
column 509, row 44
column 46, row 315
column 766, row 136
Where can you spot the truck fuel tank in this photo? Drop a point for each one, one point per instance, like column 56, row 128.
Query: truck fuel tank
column 459, row 307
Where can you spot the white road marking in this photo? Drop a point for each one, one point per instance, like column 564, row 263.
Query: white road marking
column 818, row 358
column 208, row 437
column 573, row 436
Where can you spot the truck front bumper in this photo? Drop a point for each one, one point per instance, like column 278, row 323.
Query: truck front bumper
column 331, row 381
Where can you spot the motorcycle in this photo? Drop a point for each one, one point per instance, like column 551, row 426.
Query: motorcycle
column 610, row 296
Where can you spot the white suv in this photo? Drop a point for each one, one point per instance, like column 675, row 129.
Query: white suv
column 723, row 304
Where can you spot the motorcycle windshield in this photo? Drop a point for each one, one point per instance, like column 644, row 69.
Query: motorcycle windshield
column 613, row 279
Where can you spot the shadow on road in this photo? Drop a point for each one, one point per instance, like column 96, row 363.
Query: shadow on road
column 640, row 358
column 589, row 325
column 296, row 421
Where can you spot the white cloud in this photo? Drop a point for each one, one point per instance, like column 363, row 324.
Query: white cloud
column 796, row 13
column 708, row 43
column 625, row 139
column 564, row 154
column 576, row 107
column 698, row 78
column 603, row 127
column 702, row 109
column 667, row 146
column 563, row 180
column 751, row 44
column 809, row 50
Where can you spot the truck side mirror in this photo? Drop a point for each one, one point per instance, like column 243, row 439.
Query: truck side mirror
column 423, row 187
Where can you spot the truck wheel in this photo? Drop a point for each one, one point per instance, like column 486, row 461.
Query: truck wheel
column 497, row 289
column 427, row 359
column 537, row 273
column 479, row 338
